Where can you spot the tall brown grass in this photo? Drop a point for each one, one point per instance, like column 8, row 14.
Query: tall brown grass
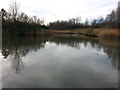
column 61, row 31
column 110, row 33
column 101, row 32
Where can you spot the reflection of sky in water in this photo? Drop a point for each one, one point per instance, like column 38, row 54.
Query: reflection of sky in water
column 63, row 66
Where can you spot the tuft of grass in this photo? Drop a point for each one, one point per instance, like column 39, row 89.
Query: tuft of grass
column 102, row 32
column 61, row 31
column 111, row 34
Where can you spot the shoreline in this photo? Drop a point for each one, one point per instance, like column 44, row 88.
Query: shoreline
column 94, row 33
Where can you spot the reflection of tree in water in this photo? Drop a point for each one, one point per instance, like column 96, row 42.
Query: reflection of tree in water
column 110, row 51
column 16, row 60
column 69, row 41
column 5, row 53
column 112, row 55
column 16, row 48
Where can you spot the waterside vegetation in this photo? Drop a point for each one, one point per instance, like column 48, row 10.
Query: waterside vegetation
column 20, row 24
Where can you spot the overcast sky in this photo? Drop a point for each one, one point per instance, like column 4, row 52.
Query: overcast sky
column 52, row 10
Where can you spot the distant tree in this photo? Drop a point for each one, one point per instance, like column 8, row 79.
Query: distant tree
column 94, row 23
column 86, row 23
column 3, row 13
column 112, row 16
column 22, row 17
column 77, row 20
column 14, row 8
column 100, row 19
column 118, row 14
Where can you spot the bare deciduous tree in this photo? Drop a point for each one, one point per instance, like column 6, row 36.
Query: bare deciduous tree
column 14, row 8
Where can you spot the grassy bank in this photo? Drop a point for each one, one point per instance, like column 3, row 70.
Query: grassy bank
column 102, row 33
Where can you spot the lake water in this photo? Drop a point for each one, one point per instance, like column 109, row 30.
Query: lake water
column 59, row 62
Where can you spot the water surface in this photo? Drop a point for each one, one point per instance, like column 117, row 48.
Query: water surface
column 59, row 62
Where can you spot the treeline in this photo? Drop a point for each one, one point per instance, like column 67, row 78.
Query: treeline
column 68, row 24
column 19, row 23
column 110, row 21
